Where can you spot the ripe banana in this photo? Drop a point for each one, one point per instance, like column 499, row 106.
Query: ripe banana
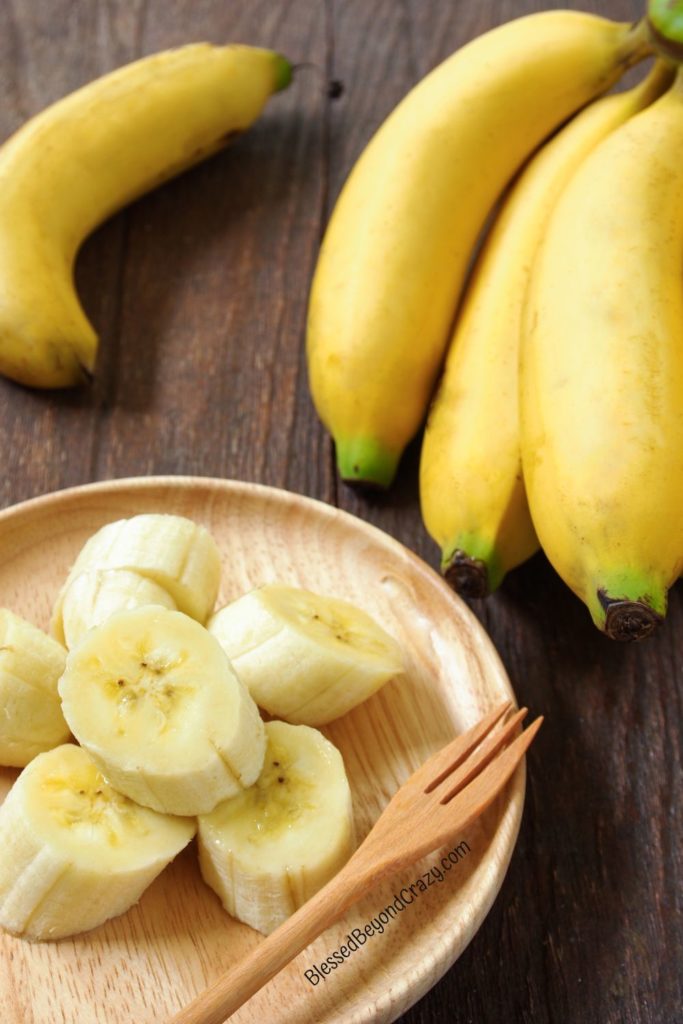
column 171, row 551
column 96, row 594
column 304, row 657
column 602, row 375
column 73, row 851
column 396, row 250
column 153, row 699
column 73, row 165
column 270, row 849
column 472, row 494
column 31, row 718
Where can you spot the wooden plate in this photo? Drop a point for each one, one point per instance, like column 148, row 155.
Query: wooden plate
column 146, row 964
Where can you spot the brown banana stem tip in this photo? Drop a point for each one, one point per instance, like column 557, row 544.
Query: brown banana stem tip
column 467, row 576
column 628, row 620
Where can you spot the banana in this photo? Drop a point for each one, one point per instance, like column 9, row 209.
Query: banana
column 153, row 699
column 304, row 657
column 397, row 246
column 471, row 489
column 80, row 160
column 96, row 594
column 602, row 375
column 73, row 851
column 31, row 718
column 171, row 551
column 270, row 849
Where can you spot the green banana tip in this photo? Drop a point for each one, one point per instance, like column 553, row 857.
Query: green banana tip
column 366, row 464
column 283, row 72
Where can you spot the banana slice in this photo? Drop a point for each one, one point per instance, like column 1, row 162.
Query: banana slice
column 174, row 552
column 152, row 697
column 31, row 718
column 270, row 849
column 73, row 851
column 304, row 657
column 97, row 593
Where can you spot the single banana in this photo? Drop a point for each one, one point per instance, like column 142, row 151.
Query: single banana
column 80, row 160
column 304, row 657
column 73, row 851
column 153, row 699
column 96, row 594
column 174, row 552
column 602, row 375
column 270, row 849
column 31, row 718
column 398, row 244
column 472, row 494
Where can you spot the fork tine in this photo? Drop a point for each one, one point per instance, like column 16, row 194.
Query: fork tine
column 494, row 742
column 448, row 759
column 481, row 790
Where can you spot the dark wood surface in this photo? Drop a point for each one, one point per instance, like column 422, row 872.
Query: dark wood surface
column 199, row 294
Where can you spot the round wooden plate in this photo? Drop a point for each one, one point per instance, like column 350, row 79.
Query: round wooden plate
column 146, row 964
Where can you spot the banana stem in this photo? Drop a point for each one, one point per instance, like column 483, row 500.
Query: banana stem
column 665, row 26
column 638, row 43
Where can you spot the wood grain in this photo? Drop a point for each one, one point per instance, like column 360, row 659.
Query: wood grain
column 178, row 939
column 209, row 377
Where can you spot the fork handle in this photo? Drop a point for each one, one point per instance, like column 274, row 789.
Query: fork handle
column 231, row 990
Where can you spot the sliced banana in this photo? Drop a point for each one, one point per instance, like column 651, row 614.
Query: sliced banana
column 178, row 554
column 73, row 851
column 268, row 850
column 304, row 657
column 152, row 697
column 31, row 718
column 96, row 594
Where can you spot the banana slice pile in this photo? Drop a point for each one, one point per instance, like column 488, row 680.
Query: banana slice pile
column 170, row 739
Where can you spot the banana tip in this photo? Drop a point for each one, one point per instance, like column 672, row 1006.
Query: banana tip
column 283, row 72
column 467, row 576
column 628, row 620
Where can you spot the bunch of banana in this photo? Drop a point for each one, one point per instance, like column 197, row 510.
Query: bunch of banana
column 472, row 494
column 72, row 166
column 396, row 251
column 602, row 374
column 169, row 732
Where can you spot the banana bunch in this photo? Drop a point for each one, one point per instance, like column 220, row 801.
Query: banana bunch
column 558, row 419
column 473, row 499
column 397, row 248
column 72, row 166
column 170, row 738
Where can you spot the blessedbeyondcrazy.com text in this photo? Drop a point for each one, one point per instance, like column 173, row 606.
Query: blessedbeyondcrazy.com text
column 357, row 937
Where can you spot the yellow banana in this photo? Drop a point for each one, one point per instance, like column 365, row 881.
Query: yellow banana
column 472, row 494
column 602, row 375
column 70, row 167
column 399, row 240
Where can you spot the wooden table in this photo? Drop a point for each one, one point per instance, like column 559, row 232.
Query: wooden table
column 199, row 294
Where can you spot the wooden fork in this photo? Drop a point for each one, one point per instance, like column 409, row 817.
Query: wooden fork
column 440, row 799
